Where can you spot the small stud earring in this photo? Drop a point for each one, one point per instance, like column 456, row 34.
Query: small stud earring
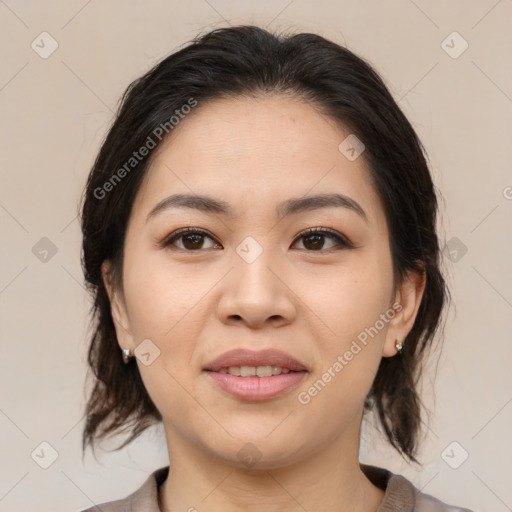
column 399, row 346
column 126, row 355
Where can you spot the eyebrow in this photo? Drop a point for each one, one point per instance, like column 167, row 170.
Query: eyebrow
column 289, row 207
column 314, row 202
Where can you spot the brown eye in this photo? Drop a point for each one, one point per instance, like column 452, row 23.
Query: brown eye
column 191, row 240
column 322, row 239
column 314, row 242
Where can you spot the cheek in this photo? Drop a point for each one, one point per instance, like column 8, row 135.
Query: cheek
column 350, row 354
column 159, row 295
column 350, row 299
column 162, row 304
column 162, row 307
column 352, row 306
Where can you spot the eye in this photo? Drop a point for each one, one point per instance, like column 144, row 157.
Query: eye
column 314, row 239
column 191, row 239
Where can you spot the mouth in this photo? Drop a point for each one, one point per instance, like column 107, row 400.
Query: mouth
column 250, row 363
column 255, row 371
column 255, row 376
column 253, row 388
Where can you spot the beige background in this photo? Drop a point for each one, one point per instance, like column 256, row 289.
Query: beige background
column 54, row 114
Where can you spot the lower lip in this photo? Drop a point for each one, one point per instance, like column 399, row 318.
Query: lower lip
column 256, row 388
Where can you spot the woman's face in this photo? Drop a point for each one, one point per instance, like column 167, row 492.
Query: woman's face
column 252, row 279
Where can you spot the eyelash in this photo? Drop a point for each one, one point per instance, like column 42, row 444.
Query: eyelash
column 341, row 241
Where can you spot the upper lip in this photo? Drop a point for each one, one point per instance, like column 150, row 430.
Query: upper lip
column 244, row 357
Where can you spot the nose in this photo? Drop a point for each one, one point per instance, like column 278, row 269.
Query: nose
column 255, row 294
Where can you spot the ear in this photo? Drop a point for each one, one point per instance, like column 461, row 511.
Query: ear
column 407, row 301
column 117, row 309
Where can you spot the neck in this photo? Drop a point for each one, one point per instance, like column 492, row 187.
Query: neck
column 330, row 477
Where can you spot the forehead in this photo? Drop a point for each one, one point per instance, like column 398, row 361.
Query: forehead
column 262, row 150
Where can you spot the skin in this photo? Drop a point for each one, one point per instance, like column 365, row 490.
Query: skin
column 255, row 153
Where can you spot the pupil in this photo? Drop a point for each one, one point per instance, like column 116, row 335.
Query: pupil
column 195, row 239
column 317, row 241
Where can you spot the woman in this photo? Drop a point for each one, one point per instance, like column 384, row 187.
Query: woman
column 259, row 237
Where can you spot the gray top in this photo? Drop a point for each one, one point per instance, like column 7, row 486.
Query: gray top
column 400, row 495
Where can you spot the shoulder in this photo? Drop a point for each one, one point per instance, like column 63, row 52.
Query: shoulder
column 402, row 496
column 144, row 499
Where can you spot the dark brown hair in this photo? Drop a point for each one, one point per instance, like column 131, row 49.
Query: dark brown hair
column 244, row 60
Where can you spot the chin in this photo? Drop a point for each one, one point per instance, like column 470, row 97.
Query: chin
column 258, row 452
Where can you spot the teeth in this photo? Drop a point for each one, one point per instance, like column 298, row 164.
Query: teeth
column 252, row 371
column 247, row 371
column 264, row 371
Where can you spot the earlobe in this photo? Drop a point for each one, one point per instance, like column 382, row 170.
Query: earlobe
column 406, row 304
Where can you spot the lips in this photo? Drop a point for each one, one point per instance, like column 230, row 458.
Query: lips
column 244, row 357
